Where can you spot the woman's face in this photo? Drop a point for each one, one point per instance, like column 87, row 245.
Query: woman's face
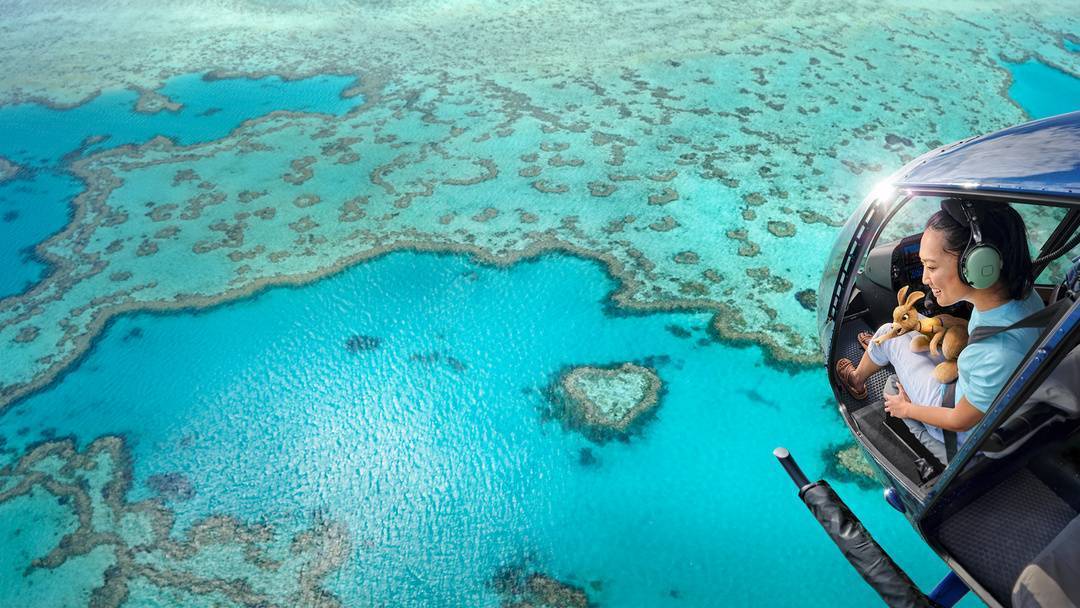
column 940, row 272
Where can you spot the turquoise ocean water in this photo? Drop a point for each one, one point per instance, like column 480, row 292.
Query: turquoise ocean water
column 445, row 476
column 1043, row 90
column 431, row 446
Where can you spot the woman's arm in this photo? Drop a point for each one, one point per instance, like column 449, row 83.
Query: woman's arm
column 957, row 419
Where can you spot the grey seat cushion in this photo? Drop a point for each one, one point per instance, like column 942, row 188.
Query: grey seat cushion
column 1062, row 388
column 1053, row 577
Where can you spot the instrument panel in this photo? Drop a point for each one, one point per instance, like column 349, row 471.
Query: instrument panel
column 891, row 266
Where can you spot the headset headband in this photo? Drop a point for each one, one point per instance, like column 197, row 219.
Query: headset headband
column 964, row 213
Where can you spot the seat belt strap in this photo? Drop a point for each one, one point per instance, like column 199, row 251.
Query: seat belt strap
column 949, row 400
column 1037, row 319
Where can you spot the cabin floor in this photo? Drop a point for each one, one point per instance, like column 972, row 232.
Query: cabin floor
column 996, row 535
column 848, row 348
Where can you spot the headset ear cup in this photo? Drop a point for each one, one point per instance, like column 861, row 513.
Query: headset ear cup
column 981, row 266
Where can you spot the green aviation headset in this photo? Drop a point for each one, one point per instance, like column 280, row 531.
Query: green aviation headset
column 980, row 263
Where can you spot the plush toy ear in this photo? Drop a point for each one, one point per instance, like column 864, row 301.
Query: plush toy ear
column 900, row 295
column 915, row 297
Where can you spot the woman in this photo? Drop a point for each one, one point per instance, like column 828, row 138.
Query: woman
column 983, row 366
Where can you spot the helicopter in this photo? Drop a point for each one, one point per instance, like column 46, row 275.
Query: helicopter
column 1002, row 509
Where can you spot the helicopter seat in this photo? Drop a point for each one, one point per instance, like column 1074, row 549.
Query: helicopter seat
column 1053, row 577
column 1056, row 400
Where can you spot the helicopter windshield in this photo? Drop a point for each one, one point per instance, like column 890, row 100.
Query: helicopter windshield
column 881, row 200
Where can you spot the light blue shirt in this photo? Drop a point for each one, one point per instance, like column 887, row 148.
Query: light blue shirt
column 985, row 366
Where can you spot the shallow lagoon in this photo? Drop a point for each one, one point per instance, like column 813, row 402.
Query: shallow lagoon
column 1043, row 90
column 44, row 141
column 446, row 473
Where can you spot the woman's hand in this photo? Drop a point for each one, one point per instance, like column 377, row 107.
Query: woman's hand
column 898, row 405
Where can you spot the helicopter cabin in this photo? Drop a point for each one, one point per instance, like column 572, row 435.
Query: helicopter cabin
column 1001, row 505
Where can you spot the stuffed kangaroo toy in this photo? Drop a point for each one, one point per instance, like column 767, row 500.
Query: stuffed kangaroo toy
column 946, row 332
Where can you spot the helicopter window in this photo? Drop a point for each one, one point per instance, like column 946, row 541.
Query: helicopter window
column 1040, row 221
column 894, row 262
column 910, row 219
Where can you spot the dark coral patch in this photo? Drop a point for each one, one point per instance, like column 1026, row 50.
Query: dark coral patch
column 665, row 196
column 601, row 189
column 28, row 333
column 586, row 458
column 781, row 229
column 549, row 188
column 171, row 486
column 678, row 331
column 361, row 343
column 687, row 257
column 518, row 587
column 807, row 299
column 306, row 200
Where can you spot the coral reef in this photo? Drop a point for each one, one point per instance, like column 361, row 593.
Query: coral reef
column 807, row 298
column 8, row 170
column 518, row 587
column 361, row 343
column 152, row 102
column 846, row 462
column 546, row 144
column 604, row 403
column 219, row 559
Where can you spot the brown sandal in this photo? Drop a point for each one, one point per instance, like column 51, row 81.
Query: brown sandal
column 864, row 338
column 845, row 369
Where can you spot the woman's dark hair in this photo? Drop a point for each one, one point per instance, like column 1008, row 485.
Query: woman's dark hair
column 1002, row 227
